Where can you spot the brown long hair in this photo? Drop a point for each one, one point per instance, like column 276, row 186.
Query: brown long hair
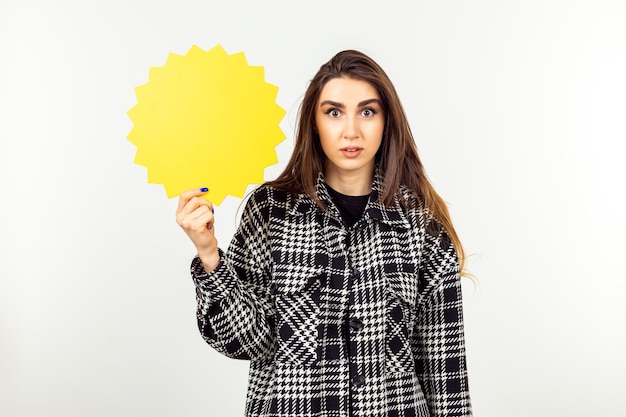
column 397, row 157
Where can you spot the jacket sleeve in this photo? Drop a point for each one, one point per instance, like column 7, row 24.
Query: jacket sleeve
column 439, row 341
column 234, row 312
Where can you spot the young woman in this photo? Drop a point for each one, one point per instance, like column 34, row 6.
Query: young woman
column 342, row 283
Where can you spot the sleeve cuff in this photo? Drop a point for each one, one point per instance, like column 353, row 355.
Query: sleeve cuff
column 216, row 283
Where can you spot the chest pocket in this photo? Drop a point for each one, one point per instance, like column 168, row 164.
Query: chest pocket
column 296, row 291
column 400, row 321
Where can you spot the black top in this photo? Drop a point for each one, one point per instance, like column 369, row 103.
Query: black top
column 351, row 207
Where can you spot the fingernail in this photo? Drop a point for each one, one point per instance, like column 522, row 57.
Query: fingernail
column 212, row 209
column 204, row 189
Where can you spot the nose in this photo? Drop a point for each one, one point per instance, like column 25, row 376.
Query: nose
column 351, row 128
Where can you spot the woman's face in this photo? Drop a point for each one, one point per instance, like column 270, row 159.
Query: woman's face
column 350, row 122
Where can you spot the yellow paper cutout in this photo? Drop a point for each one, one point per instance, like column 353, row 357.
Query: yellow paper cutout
column 206, row 119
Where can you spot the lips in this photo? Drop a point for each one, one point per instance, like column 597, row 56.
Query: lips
column 351, row 151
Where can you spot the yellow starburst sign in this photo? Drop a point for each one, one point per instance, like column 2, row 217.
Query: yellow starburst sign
column 206, row 119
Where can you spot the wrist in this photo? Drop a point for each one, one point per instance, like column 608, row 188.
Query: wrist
column 210, row 259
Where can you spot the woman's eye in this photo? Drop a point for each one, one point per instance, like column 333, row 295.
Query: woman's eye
column 368, row 112
column 334, row 113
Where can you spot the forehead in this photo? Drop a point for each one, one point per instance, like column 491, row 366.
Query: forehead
column 346, row 90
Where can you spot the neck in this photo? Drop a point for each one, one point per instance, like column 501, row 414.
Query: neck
column 350, row 183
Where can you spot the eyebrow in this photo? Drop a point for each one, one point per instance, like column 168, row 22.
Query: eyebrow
column 343, row 106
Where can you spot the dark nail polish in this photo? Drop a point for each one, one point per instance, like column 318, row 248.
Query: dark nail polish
column 204, row 189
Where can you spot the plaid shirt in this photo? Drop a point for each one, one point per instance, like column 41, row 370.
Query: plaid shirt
column 336, row 321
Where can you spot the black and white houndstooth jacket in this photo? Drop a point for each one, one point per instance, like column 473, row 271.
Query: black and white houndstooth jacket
column 364, row 321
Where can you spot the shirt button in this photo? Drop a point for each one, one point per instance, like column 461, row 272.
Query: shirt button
column 358, row 381
column 273, row 288
column 354, row 274
column 355, row 324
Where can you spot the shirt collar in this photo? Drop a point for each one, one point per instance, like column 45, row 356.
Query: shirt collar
column 393, row 216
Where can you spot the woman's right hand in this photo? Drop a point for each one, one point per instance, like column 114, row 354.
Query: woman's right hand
column 195, row 215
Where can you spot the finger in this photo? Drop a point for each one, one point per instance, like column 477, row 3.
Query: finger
column 186, row 218
column 184, row 197
column 207, row 220
column 198, row 221
column 188, row 195
column 200, row 212
column 193, row 204
column 208, row 217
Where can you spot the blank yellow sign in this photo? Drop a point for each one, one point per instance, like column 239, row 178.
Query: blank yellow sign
column 206, row 119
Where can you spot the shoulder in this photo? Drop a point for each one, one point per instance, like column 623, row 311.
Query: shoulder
column 413, row 206
column 423, row 220
column 270, row 201
column 408, row 197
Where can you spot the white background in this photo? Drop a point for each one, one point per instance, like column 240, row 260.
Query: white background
column 518, row 108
